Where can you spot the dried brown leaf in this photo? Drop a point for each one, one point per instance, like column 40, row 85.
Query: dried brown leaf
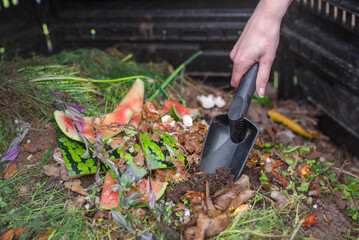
column 190, row 233
column 11, row 170
column 208, row 227
column 150, row 111
column 139, row 160
column 313, row 155
column 240, row 199
column 75, row 185
column 51, row 171
column 155, row 137
column 211, row 209
column 224, row 197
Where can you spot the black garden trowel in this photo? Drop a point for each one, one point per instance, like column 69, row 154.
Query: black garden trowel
column 230, row 137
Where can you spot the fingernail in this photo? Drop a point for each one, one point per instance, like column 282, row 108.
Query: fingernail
column 261, row 92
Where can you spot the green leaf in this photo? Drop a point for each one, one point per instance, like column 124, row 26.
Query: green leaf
column 303, row 187
column 289, row 161
column 264, row 100
column 304, row 149
column 290, row 149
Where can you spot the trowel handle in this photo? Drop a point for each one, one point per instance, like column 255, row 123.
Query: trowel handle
column 244, row 94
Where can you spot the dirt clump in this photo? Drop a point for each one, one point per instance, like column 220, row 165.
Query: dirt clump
column 197, row 182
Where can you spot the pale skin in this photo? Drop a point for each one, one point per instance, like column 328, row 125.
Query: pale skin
column 259, row 42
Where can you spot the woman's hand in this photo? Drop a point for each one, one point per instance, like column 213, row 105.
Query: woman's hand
column 259, row 42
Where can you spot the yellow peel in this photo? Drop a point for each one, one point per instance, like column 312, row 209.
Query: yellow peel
column 295, row 127
column 241, row 209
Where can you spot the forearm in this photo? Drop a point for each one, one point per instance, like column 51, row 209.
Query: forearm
column 258, row 42
column 273, row 8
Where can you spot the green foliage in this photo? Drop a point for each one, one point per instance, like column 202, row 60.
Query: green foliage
column 351, row 193
column 33, row 200
column 260, row 222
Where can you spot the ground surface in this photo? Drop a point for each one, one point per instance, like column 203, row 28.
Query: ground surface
column 329, row 207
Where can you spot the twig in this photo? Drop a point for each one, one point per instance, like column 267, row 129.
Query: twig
column 341, row 170
column 346, row 172
column 296, row 229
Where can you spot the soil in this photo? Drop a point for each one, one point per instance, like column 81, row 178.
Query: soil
column 332, row 220
column 197, row 182
column 330, row 210
column 37, row 143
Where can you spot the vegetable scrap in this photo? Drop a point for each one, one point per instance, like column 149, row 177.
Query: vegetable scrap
column 134, row 162
column 295, row 127
column 211, row 101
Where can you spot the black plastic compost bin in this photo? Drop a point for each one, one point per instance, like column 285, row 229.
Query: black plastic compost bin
column 317, row 60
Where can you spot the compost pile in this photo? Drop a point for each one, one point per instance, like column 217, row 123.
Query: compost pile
column 96, row 145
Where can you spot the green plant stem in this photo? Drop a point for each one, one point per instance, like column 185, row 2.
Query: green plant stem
column 255, row 233
column 194, row 87
column 79, row 79
column 296, row 230
column 174, row 74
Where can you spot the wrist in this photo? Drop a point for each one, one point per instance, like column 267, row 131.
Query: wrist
column 274, row 9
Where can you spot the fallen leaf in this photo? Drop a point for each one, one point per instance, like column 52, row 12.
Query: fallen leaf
column 75, row 185
column 45, row 235
column 268, row 165
column 190, row 233
column 11, row 234
column 224, row 197
column 64, row 173
column 139, row 212
column 208, row 227
column 51, row 171
column 312, row 155
column 280, row 198
column 280, row 179
column 139, row 159
column 240, row 199
column 11, row 170
column 211, row 209
column 326, row 218
column 79, row 201
column 58, row 156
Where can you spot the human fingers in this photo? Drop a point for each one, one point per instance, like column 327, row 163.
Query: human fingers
column 263, row 76
column 240, row 67
column 234, row 51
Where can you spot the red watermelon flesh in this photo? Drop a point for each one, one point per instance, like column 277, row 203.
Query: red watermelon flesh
column 109, row 199
column 158, row 188
column 66, row 126
column 134, row 101
column 182, row 110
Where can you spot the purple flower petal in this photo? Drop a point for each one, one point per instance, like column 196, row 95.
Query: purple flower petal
column 152, row 201
column 11, row 154
column 80, row 125
column 148, row 236
column 78, row 108
column 74, row 115
column 56, row 94
column 14, row 143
